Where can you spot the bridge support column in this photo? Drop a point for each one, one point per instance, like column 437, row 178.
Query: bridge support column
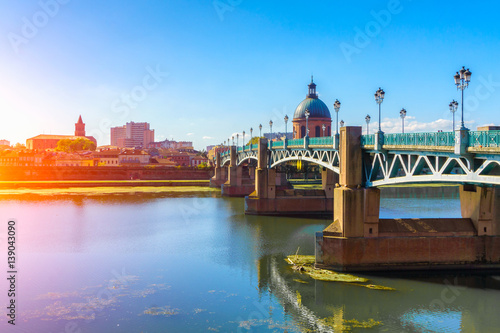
column 482, row 206
column 234, row 187
column 271, row 197
column 328, row 180
column 355, row 209
column 219, row 177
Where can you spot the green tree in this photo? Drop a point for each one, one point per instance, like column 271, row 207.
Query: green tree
column 68, row 145
column 254, row 141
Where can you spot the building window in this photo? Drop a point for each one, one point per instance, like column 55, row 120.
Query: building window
column 317, row 131
column 302, row 131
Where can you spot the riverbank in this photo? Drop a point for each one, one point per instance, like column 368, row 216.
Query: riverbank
column 45, row 184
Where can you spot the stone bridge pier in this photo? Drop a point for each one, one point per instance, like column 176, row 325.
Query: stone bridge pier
column 358, row 240
column 220, row 176
column 239, row 180
column 272, row 195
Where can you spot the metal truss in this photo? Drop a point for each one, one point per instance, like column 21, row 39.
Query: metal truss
column 326, row 158
column 398, row 167
column 247, row 155
column 241, row 157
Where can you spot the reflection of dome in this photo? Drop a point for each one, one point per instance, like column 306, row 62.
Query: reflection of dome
column 316, row 107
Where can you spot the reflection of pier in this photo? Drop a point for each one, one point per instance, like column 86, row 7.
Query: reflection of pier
column 430, row 299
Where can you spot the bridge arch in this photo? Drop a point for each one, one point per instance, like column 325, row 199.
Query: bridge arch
column 328, row 159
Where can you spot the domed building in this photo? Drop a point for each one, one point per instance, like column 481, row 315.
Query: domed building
column 319, row 115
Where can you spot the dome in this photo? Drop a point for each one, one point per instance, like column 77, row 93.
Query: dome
column 316, row 107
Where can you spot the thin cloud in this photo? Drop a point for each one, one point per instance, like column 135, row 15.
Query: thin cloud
column 207, row 138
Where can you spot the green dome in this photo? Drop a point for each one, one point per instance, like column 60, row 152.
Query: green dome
column 316, row 107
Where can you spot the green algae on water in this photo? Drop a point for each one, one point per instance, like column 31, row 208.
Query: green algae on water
column 305, row 264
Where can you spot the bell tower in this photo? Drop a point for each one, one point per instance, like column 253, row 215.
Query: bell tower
column 80, row 127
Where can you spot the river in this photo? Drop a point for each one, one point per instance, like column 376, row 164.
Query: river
column 192, row 261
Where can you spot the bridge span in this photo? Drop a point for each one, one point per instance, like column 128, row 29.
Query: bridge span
column 354, row 166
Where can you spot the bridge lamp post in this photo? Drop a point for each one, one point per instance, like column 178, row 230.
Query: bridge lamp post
column 271, row 137
column 367, row 119
column 336, row 107
column 307, row 114
column 251, row 136
column 402, row 114
column 379, row 137
column 379, row 98
column 243, row 140
column 323, row 127
column 462, row 79
column 237, row 139
column 233, row 140
column 286, row 122
column 453, row 108
column 260, row 129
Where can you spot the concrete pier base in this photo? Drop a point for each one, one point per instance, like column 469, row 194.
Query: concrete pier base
column 296, row 203
column 243, row 190
column 407, row 253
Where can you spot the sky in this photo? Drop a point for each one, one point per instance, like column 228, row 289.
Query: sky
column 203, row 71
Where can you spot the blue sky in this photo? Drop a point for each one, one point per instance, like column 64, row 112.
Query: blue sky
column 221, row 67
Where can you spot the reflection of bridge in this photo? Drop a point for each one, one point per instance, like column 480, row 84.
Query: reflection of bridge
column 353, row 166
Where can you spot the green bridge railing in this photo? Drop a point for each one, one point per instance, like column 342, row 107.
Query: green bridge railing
column 367, row 140
column 420, row 139
column 321, row 141
column 484, row 139
column 295, row 142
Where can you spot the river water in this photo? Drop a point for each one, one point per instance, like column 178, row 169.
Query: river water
column 192, row 261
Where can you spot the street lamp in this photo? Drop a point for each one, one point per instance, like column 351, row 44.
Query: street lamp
column 233, row 140
column 251, row 137
column 307, row 114
column 286, row 122
column 379, row 98
column 323, row 127
column 462, row 79
column 271, row 125
column 368, row 118
column 243, row 139
column 260, row 128
column 453, row 108
column 336, row 107
column 402, row 114
column 342, row 123
column 237, row 139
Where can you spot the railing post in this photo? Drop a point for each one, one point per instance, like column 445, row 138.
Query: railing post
column 336, row 141
column 285, row 143
column 461, row 141
column 306, row 142
column 379, row 140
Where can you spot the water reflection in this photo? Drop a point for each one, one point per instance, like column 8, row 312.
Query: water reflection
column 197, row 262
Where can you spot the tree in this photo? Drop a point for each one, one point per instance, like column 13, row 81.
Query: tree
column 19, row 146
column 254, row 141
column 68, row 145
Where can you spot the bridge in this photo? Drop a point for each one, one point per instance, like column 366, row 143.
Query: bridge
column 354, row 166
column 397, row 158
